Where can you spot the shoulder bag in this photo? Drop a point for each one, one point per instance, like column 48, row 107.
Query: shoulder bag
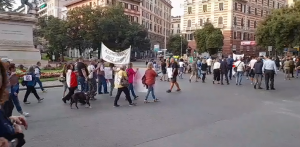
column 235, row 68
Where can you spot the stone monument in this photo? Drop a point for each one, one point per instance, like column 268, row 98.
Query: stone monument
column 16, row 38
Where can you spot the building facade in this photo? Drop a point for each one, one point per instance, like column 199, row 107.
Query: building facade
column 237, row 19
column 155, row 15
column 55, row 8
column 175, row 25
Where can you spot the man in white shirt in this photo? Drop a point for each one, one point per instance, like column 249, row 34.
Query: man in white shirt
column 251, row 65
column 37, row 72
column 209, row 62
column 240, row 67
column 269, row 69
column 216, row 71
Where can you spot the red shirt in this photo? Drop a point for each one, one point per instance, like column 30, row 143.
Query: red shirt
column 150, row 75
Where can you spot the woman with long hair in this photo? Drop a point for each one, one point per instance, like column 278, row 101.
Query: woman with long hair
column 3, row 82
column 71, row 80
column 14, row 82
column 30, row 86
column 150, row 76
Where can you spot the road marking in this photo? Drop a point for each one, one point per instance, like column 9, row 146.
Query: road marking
column 289, row 114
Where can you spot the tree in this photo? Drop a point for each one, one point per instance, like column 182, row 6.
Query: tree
column 6, row 4
column 176, row 43
column 209, row 39
column 280, row 29
column 54, row 30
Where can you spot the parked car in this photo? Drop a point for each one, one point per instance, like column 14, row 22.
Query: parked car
column 132, row 59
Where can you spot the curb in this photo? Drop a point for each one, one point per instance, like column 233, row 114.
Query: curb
column 52, row 86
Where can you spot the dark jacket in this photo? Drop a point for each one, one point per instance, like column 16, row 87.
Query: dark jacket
column 223, row 67
column 204, row 67
column 6, row 126
column 258, row 67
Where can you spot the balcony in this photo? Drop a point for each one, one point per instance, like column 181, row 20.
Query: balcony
column 221, row 26
column 242, row 1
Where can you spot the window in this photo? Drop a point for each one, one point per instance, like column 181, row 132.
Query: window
column 234, row 20
column 234, row 35
column 172, row 26
column 268, row 2
column 90, row 3
column 201, row 22
column 235, row 6
column 262, row 2
column 278, row 5
column 207, row 19
column 261, row 13
column 255, row 11
column 178, row 25
column 248, row 38
column 221, row 6
column 150, row 7
column 126, row 6
column 189, row 24
column 244, row 36
column 204, row 8
column 249, row 10
column 241, row 7
column 249, row 23
column 220, row 20
column 132, row 7
column 189, row 10
column 273, row 4
column 242, row 22
column 254, row 24
column 245, row 7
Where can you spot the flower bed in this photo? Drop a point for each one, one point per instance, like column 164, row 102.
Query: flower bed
column 49, row 74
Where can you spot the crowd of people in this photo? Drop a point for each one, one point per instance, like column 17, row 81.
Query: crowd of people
column 81, row 77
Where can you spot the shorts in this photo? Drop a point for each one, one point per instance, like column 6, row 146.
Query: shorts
column 194, row 72
column 251, row 73
column 174, row 79
column 180, row 69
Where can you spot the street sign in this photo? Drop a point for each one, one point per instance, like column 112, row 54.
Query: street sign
column 285, row 49
column 270, row 48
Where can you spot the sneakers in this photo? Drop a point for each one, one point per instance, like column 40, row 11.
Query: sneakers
column 132, row 104
column 25, row 114
column 155, row 100
column 116, row 106
column 135, row 98
column 40, row 100
column 44, row 90
column 26, row 102
column 146, row 101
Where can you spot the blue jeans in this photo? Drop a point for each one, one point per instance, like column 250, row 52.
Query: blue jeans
column 199, row 73
column 83, row 84
column 239, row 76
column 15, row 89
column 150, row 90
column 130, row 87
column 37, row 79
column 102, row 82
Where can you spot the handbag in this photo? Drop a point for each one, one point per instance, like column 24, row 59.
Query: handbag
column 124, row 82
column 235, row 68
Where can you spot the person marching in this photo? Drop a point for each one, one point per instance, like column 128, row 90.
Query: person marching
column 30, row 86
column 37, row 72
column 269, row 69
column 150, row 76
column 258, row 73
column 72, row 82
column 92, row 83
column 216, row 71
column 224, row 71
column 174, row 66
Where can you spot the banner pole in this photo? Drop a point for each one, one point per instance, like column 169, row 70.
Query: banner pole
column 99, row 51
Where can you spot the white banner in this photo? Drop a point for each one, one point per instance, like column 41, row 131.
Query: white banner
column 115, row 57
column 235, row 56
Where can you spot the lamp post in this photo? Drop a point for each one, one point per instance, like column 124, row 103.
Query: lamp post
column 180, row 45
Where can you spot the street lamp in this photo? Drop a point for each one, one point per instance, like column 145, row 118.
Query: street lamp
column 180, row 45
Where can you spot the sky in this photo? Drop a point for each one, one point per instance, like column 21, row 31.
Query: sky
column 177, row 9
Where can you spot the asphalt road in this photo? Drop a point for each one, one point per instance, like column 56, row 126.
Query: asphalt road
column 201, row 115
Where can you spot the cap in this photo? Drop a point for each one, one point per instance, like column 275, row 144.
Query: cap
column 4, row 60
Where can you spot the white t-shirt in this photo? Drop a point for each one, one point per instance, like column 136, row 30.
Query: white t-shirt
column 208, row 61
column 91, row 69
column 181, row 64
column 217, row 65
column 240, row 65
column 252, row 62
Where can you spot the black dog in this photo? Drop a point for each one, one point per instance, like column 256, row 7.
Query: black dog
column 80, row 97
